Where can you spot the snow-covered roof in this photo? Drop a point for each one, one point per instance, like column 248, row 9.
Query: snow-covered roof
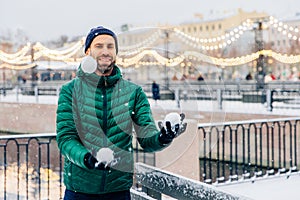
column 55, row 65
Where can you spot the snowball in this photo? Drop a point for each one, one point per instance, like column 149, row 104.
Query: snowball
column 173, row 118
column 105, row 155
column 88, row 64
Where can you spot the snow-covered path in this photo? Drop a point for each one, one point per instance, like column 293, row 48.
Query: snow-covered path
column 277, row 187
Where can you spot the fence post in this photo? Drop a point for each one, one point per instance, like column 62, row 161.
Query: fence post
column 185, row 95
column 269, row 100
column 219, row 98
column 36, row 93
column 17, row 92
column 177, row 97
column 57, row 90
column 151, row 193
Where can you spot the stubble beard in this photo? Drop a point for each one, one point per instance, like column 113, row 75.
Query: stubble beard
column 104, row 69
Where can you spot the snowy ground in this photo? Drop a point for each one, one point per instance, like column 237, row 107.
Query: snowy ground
column 277, row 187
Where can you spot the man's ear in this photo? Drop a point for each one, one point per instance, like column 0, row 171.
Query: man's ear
column 87, row 52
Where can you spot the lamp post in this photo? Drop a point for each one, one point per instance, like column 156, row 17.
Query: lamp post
column 33, row 71
column 167, row 57
column 4, row 82
column 260, row 64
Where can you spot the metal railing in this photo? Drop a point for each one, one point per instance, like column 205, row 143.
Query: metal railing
column 276, row 95
column 32, row 166
column 286, row 92
column 244, row 149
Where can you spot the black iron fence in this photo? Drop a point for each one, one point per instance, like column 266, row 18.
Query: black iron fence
column 31, row 165
column 245, row 149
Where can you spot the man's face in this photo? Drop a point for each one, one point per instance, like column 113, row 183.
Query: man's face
column 103, row 50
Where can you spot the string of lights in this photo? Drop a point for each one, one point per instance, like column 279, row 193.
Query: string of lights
column 217, row 42
column 16, row 55
column 17, row 61
column 188, row 55
column 284, row 29
column 197, row 56
column 131, row 55
column 46, row 51
column 146, row 43
column 226, row 39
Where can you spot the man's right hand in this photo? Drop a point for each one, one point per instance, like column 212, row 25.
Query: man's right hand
column 92, row 163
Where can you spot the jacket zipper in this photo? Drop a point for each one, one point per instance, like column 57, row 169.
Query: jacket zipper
column 105, row 133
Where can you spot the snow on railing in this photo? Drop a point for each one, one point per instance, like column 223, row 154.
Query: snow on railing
column 176, row 186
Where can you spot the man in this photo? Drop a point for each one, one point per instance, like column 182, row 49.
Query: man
column 96, row 114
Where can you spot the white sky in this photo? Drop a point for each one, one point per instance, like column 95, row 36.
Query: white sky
column 48, row 19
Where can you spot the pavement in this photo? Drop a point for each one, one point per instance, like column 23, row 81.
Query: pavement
column 277, row 187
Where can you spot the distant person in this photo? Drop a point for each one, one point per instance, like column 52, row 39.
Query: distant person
column 24, row 79
column 96, row 114
column 19, row 79
column 155, row 91
column 174, row 78
column 200, row 78
column 273, row 77
column 248, row 77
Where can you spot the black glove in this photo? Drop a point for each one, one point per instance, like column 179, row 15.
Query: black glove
column 167, row 134
column 90, row 162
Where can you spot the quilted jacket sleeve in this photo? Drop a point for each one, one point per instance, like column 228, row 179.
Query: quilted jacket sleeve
column 67, row 137
column 146, row 130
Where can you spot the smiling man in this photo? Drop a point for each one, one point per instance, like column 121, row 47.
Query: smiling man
column 96, row 114
column 103, row 49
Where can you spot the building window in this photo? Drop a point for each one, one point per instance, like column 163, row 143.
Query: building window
column 220, row 26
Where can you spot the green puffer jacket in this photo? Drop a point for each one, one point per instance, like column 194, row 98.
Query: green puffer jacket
column 95, row 112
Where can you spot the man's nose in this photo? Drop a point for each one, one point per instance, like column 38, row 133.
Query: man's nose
column 105, row 50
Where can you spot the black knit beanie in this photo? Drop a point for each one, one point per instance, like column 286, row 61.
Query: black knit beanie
column 100, row 30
